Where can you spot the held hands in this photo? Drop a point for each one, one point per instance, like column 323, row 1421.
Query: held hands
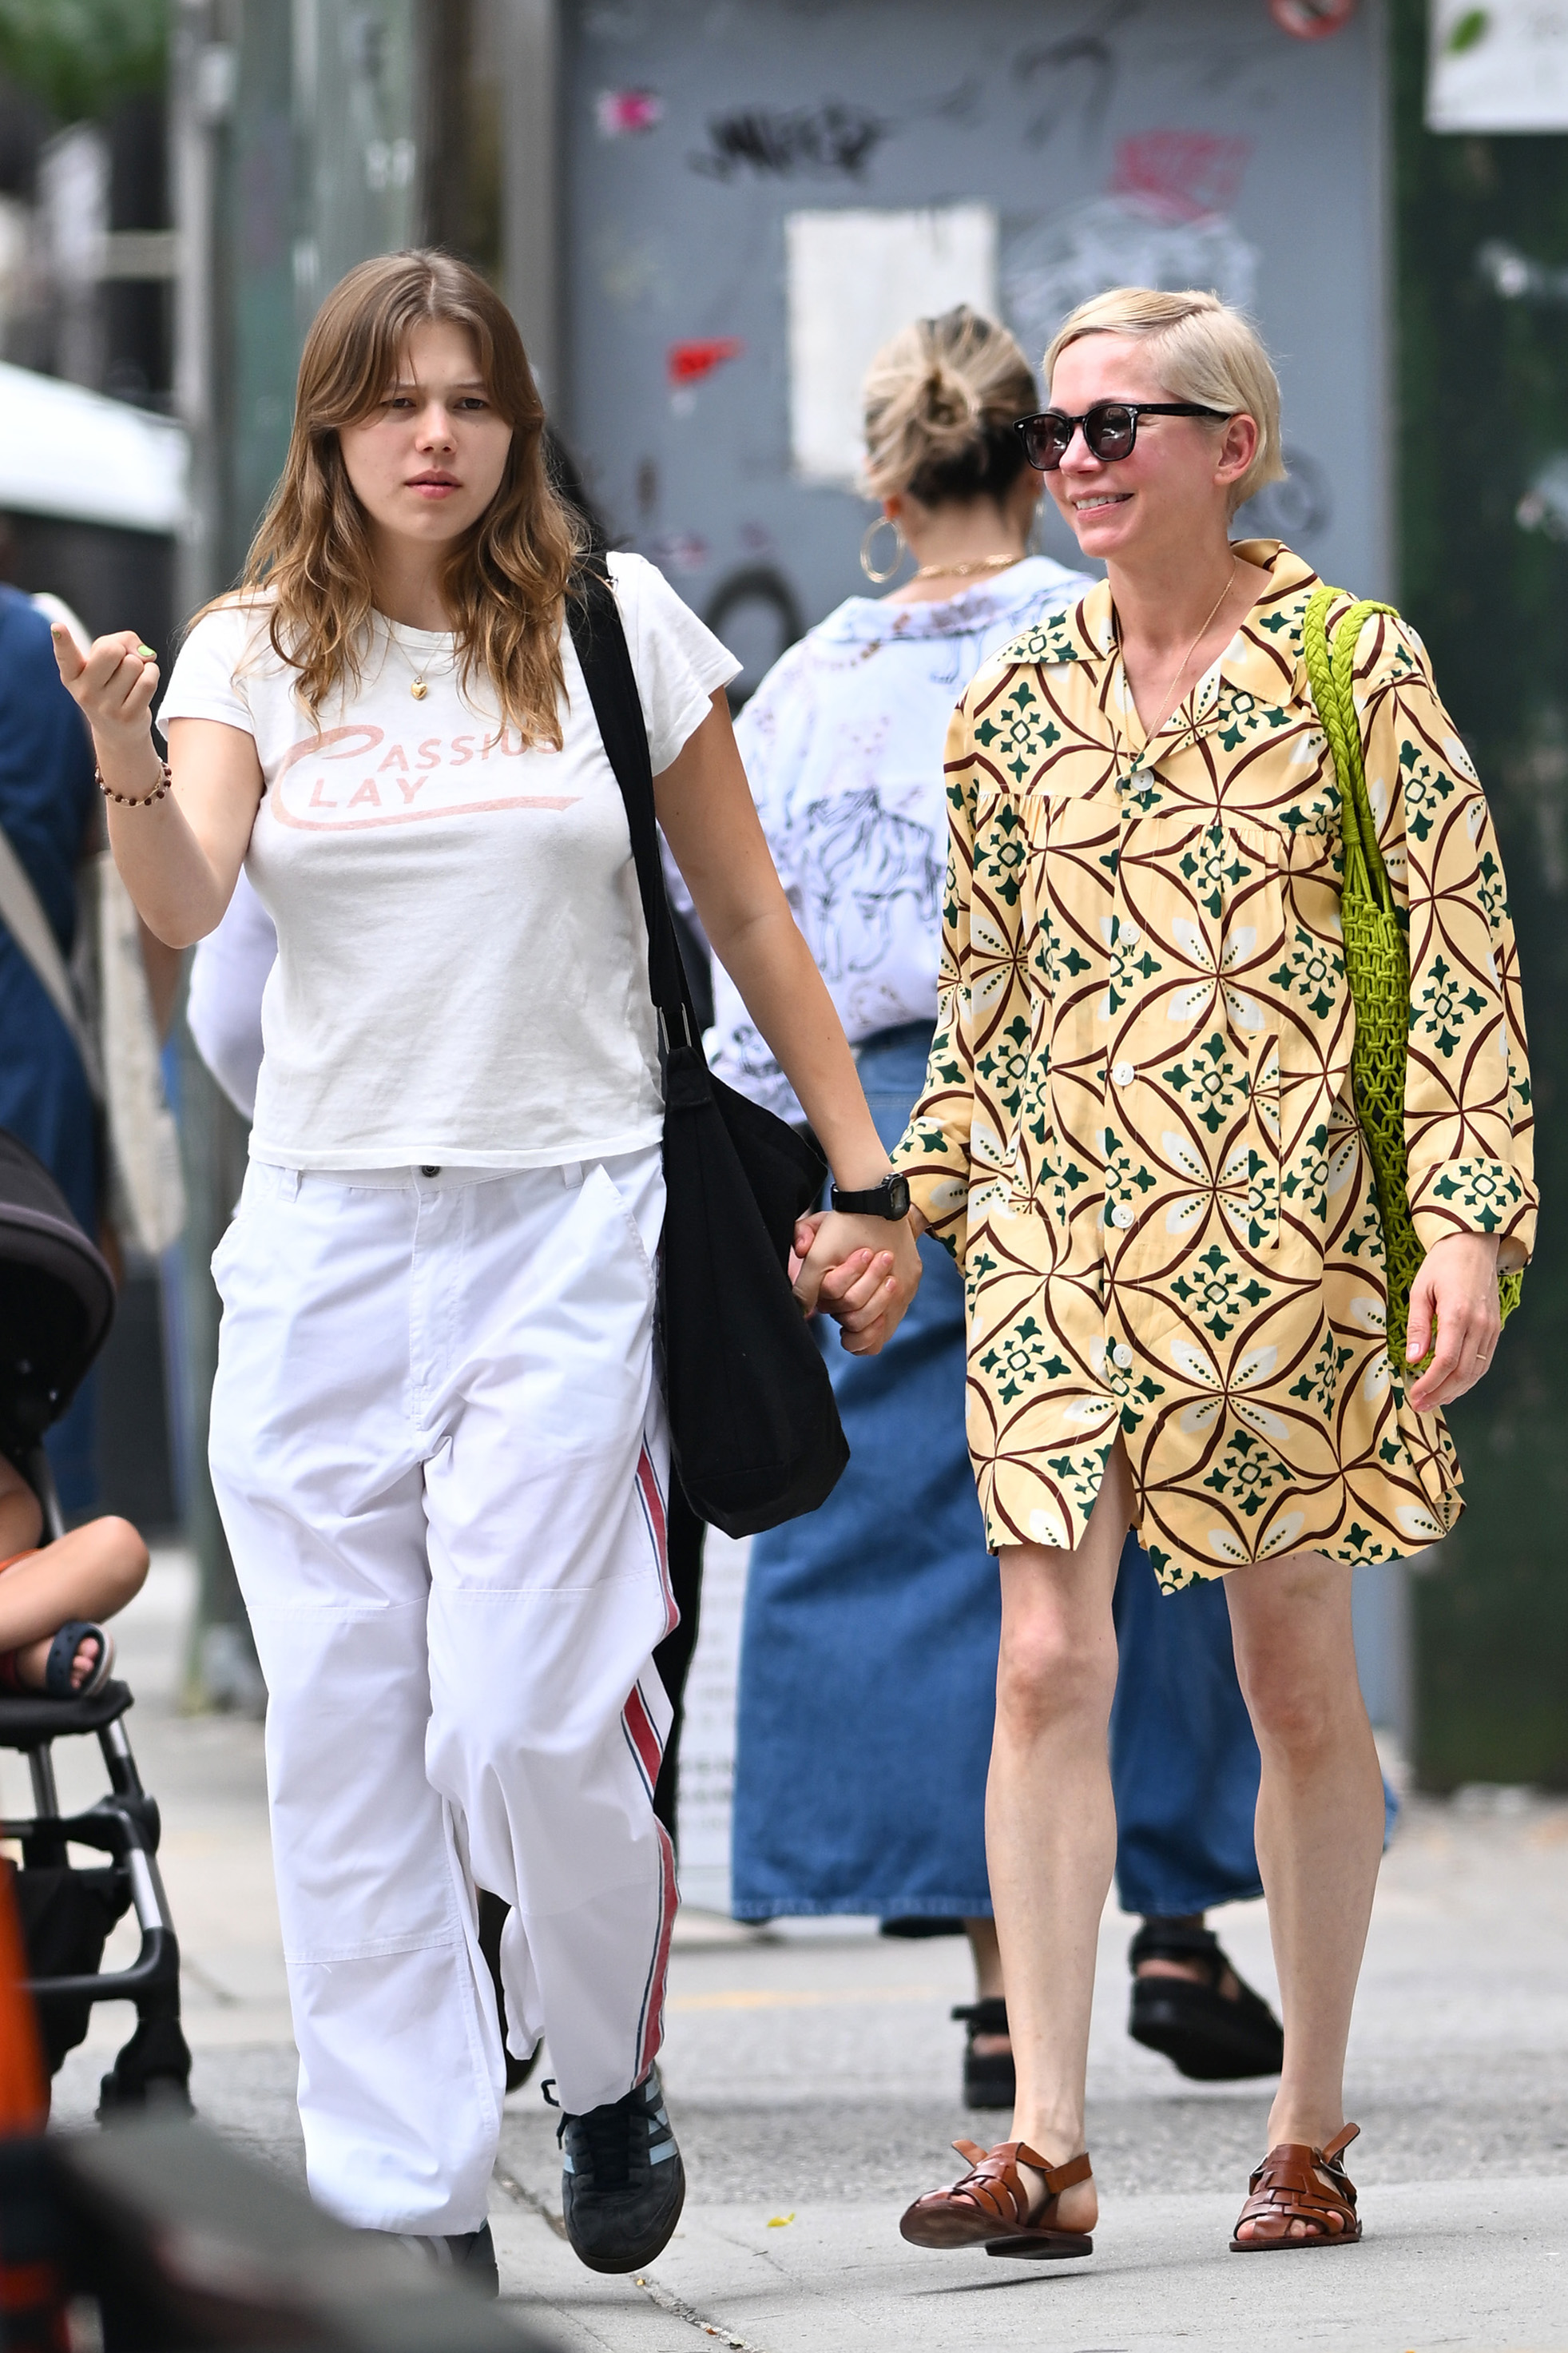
column 1457, row 1288
column 863, row 1272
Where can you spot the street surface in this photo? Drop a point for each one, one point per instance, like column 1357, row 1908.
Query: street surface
column 813, row 2078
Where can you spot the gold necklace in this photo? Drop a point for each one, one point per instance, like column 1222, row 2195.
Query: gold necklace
column 1176, row 675
column 963, row 571
column 419, row 688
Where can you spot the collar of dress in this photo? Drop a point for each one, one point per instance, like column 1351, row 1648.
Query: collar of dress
column 1264, row 658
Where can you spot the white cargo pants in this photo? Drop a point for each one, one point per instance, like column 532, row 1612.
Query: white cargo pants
column 440, row 1455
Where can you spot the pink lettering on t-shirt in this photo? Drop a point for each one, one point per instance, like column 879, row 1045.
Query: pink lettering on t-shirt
column 430, row 752
column 462, row 750
column 396, row 758
column 409, row 785
column 332, row 743
column 367, row 792
column 316, row 799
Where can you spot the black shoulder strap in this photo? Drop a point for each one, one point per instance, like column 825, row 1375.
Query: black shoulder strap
column 595, row 620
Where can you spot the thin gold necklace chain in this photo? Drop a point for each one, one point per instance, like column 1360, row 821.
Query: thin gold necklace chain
column 1175, row 678
column 419, row 687
column 962, row 571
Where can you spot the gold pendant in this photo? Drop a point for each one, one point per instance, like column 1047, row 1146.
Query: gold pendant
column 419, row 690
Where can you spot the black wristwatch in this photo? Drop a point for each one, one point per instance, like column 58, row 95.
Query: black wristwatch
column 890, row 1199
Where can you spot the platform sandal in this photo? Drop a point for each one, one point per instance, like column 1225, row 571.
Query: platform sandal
column 989, row 2205
column 1209, row 2036
column 1298, row 2184
column 57, row 1683
column 989, row 2078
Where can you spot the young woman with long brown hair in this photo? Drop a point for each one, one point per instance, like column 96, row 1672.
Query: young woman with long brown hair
column 438, row 1438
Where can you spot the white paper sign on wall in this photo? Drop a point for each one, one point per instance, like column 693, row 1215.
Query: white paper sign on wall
column 1500, row 68
column 854, row 278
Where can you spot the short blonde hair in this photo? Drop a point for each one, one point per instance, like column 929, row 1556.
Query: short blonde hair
column 1205, row 351
column 939, row 403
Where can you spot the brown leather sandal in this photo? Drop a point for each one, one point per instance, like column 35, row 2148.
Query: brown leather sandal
column 1290, row 2186
column 989, row 2205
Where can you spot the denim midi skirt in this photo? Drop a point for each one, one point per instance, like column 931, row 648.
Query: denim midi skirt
column 868, row 1651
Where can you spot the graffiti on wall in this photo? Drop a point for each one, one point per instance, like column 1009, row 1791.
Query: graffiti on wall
column 834, row 140
column 1165, row 221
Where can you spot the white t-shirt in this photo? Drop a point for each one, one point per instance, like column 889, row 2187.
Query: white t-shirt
column 462, row 962
column 229, row 973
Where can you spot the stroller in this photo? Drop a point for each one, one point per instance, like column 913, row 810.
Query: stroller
column 57, row 1302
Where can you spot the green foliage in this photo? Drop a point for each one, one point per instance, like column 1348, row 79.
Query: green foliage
column 1468, row 29
column 80, row 55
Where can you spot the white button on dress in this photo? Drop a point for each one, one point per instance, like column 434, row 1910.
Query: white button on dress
column 1122, row 1073
column 1121, row 1215
column 1123, row 1355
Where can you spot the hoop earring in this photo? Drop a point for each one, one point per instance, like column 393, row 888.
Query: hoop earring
column 887, row 522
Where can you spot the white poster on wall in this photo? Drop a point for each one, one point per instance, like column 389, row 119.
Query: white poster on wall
column 854, row 278
column 1500, row 67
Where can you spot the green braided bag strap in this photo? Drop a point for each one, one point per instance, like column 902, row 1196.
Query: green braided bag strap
column 1377, row 957
column 1331, row 669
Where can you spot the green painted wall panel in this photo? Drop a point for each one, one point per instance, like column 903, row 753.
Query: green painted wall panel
column 323, row 168
column 1483, row 414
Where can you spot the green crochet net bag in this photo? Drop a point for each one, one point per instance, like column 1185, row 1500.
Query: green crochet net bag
column 1377, row 960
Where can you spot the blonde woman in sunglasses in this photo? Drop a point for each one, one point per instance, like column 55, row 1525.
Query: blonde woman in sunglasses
column 1138, row 1138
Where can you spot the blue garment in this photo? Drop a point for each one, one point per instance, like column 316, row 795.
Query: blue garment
column 1183, row 1759
column 843, row 746
column 868, row 1647
column 868, row 1657
column 47, row 798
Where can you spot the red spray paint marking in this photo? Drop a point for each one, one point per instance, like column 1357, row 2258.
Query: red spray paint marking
column 1187, row 172
column 1311, row 20
column 621, row 112
column 689, row 363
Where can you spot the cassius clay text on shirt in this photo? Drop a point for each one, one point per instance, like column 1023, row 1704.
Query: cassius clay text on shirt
column 462, row 963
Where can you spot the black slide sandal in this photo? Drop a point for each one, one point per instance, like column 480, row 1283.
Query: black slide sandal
column 58, row 1682
column 1206, row 2035
column 989, row 2081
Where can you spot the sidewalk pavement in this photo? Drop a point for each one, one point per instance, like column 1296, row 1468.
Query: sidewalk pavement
column 812, row 2080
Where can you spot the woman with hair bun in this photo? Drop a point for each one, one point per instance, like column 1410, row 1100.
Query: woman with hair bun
column 869, row 1659
column 1137, row 1137
column 868, row 1648
column 438, row 1438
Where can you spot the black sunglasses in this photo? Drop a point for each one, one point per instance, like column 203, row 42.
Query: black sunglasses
column 1109, row 430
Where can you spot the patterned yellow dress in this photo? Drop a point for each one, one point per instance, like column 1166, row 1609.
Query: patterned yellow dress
column 1137, row 1135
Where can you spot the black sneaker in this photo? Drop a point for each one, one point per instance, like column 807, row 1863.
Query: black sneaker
column 469, row 2256
column 622, row 2183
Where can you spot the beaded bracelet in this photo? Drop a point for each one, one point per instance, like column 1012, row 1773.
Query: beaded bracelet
column 135, row 800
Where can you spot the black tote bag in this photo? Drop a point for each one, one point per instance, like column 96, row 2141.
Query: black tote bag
column 755, row 1427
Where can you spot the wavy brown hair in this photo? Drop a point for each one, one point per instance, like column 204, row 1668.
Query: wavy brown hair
column 503, row 582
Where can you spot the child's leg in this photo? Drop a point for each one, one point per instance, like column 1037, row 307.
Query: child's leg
column 89, row 1573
